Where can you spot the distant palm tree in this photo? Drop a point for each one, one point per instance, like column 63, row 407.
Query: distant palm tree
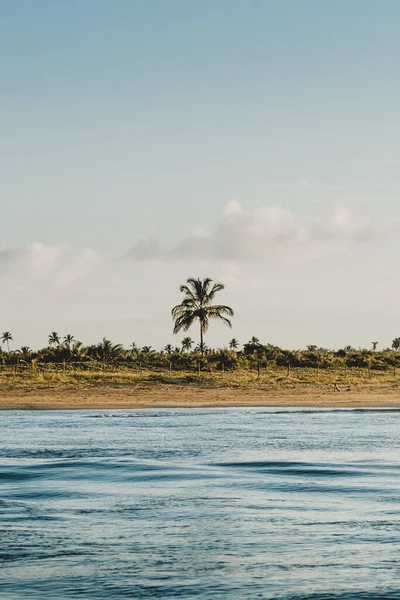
column 196, row 305
column 169, row 349
column 374, row 345
column 109, row 352
column 255, row 341
column 6, row 338
column 233, row 344
column 146, row 350
column 78, row 350
column 134, row 348
column 205, row 349
column 396, row 343
column 54, row 338
column 26, row 352
column 187, row 343
column 68, row 339
column 312, row 348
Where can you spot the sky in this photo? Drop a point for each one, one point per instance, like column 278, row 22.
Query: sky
column 256, row 142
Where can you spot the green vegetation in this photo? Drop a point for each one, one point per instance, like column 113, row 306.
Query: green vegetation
column 252, row 364
column 66, row 361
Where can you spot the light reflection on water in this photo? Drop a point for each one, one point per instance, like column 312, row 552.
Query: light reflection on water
column 221, row 503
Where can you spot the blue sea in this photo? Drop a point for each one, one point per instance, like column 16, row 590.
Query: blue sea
column 218, row 503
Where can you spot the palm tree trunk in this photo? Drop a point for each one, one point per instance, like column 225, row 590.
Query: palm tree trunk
column 8, row 346
column 201, row 339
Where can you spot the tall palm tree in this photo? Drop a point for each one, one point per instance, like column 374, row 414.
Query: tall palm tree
column 6, row 338
column 196, row 305
column 374, row 345
column 233, row 344
column 54, row 338
column 68, row 339
column 187, row 343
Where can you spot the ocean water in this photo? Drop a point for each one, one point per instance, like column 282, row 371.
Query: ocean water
column 217, row 503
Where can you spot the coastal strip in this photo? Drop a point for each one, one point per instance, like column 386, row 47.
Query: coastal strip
column 109, row 397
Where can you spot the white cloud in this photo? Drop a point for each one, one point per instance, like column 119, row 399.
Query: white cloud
column 271, row 232
column 146, row 249
column 59, row 263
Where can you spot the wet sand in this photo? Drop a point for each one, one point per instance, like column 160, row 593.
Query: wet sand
column 109, row 397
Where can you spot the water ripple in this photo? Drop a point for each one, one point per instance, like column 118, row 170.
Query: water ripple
column 236, row 504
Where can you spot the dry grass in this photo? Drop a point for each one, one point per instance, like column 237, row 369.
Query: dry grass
column 272, row 379
column 128, row 389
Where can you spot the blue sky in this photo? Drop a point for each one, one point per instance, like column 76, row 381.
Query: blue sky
column 138, row 122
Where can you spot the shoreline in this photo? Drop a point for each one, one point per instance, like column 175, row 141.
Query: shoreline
column 114, row 397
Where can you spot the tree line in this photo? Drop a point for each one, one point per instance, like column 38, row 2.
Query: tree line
column 197, row 306
column 188, row 355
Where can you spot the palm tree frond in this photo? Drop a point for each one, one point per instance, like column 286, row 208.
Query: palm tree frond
column 184, row 321
column 217, row 287
column 221, row 318
column 221, row 309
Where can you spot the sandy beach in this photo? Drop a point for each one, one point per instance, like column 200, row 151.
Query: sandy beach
column 110, row 397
